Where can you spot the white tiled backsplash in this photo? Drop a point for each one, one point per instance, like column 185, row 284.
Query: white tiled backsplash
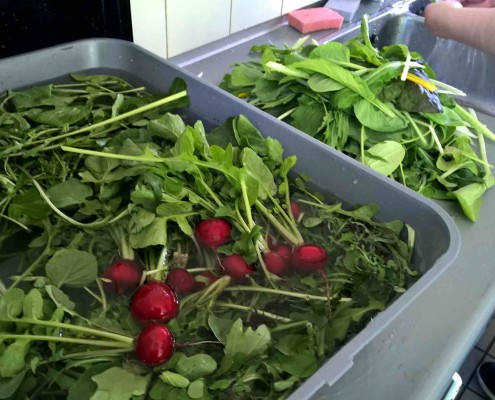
column 171, row 27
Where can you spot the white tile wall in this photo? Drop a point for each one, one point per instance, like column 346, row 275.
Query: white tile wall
column 149, row 25
column 193, row 23
column 291, row 5
column 248, row 13
column 172, row 27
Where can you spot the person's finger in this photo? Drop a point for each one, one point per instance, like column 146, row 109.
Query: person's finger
column 478, row 3
column 453, row 3
column 435, row 19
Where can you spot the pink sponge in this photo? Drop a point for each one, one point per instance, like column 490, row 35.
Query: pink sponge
column 315, row 19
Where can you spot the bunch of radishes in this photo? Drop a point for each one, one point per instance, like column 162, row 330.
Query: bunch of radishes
column 212, row 233
column 155, row 303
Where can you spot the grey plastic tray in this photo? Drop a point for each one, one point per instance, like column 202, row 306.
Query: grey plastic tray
column 334, row 174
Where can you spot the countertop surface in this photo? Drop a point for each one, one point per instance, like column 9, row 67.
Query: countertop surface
column 414, row 356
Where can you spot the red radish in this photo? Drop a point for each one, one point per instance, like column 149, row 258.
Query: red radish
column 295, row 209
column 180, row 280
column 212, row 233
column 271, row 242
column 235, row 266
column 309, row 257
column 208, row 276
column 275, row 263
column 124, row 275
column 284, row 251
column 154, row 302
column 155, row 345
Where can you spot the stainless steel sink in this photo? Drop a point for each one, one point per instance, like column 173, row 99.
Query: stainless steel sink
column 463, row 67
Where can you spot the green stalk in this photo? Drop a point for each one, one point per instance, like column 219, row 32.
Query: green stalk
column 264, row 268
column 77, row 328
column 211, row 292
column 276, row 291
column 103, row 222
column 452, row 170
column 196, row 270
column 361, row 144
column 473, row 122
column 254, row 310
column 126, row 251
column 211, row 193
column 242, row 223
column 24, row 227
column 416, row 128
column 484, row 157
column 247, row 206
column 482, row 161
column 435, row 138
column 93, row 294
column 291, row 325
column 127, row 157
column 449, row 88
column 282, row 230
column 286, row 114
column 33, row 266
column 103, row 296
column 117, row 118
column 88, row 342
column 92, row 353
column 289, row 219
column 161, row 263
column 350, row 65
column 402, row 175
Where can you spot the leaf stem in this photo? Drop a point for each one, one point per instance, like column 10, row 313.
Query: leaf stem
column 474, row 122
column 89, row 342
column 92, row 353
column 450, row 88
column 416, row 128
column 211, row 193
column 435, row 138
column 117, row 118
column 264, row 268
column 77, row 328
column 102, row 222
column 286, row 114
column 126, row 251
column 282, row 230
column 254, row 310
column 361, row 144
column 291, row 325
column 276, row 291
column 32, row 267
column 289, row 218
column 241, row 221
column 247, row 206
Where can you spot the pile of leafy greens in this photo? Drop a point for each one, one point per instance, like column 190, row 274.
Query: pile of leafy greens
column 95, row 170
column 383, row 108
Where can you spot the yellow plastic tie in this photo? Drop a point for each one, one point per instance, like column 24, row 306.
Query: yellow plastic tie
column 421, row 82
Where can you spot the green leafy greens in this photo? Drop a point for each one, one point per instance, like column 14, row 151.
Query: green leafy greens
column 380, row 107
column 129, row 179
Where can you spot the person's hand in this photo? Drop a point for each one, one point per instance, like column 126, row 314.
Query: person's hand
column 437, row 16
column 478, row 3
column 470, row 25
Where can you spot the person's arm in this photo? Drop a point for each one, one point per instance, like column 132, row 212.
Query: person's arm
column 472, row 26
